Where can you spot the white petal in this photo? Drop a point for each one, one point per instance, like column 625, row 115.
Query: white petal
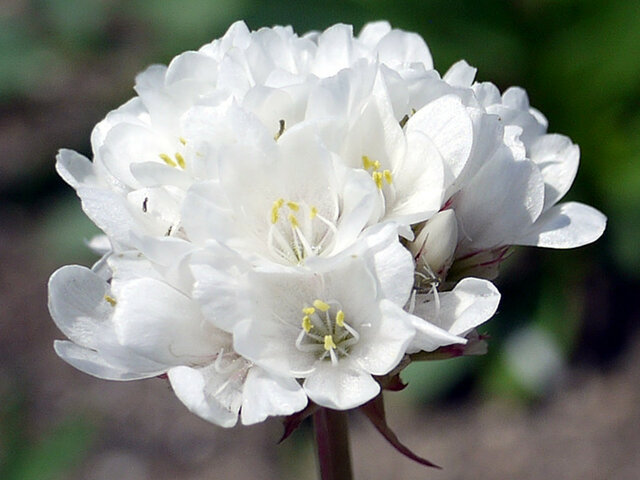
column 418, row 182
column 392, row 263
column 567, row 225
column 128, row 143
column 379, row 351
column 557, row 158
column 335, row 50
column 192, row 67
column 340, row 387
column 372, row 32
column 95, row 364
column 154, row 174
column 220, row 286
column 430, row 337
column 266, row 395
column 162, row 324
column 189, row 385
column 133, row 112
column 489, row 216
column 77, row 304
column 398, row 48
column 207, row 214
column 472, row 302
column 75, row 169
column 460, row 74
column 446, row 122
column 272, row 345
column 111, row 212
column 360, row 200
column 99, row 244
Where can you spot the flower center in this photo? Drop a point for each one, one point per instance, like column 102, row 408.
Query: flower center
column 383, row 178
column 380, row 177
column 177, row 160
column 298, row 230
column 325, row 331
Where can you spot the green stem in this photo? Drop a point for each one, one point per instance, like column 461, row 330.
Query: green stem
column 332, row 444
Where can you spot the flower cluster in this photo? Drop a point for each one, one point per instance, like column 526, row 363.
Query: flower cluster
column 290, row 219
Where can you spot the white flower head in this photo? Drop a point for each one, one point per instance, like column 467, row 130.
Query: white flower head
column 287, row 218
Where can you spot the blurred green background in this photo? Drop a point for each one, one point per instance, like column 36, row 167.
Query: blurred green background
column 65, row 63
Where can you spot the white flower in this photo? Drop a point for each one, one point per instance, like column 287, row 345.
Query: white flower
column 268, row 206
column 137, row 326
column 534, row 177
column 334, row 326
column 472, row 302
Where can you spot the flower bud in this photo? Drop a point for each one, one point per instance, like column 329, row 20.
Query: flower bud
column 435, row 243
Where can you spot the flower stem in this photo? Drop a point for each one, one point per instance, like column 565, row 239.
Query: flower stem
column 332, row 444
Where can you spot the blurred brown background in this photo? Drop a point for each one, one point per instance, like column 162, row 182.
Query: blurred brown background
column 557, row 397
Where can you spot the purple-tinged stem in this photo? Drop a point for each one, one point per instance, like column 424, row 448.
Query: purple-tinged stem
column 332, row 444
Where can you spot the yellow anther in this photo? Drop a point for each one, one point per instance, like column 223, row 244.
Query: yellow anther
column 387, row 176
column 110, row 300
column 182, row 140
column 340, row 318
column 377, row 177
column 275, row 208
column 313, row 213
column 293, row 220
column 376, row 165
column 180, row 160
column 320, row 305
column 366, row 162
column 309, row 310
column 306, row 323
column 329, row 344
column 293, row 206
column 167, row 159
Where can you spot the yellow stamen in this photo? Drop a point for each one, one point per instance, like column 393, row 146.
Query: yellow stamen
column 275, row 208
column 293, row 220
column 376, row 165
column 306, row 323
column 167, row 159
column 377, row 177
column 313, row 212
column 320, row 305
column 110, row 300
column 329, row 344
column 366, row 162
column 340, row 318
column 293, row 206
column 309, row 310
column 387, row 176
column 180, row 160
column 182, row 140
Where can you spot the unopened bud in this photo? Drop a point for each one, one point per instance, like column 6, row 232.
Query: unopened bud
column 436, row 243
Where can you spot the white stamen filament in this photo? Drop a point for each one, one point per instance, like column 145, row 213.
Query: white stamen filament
column 298, row 231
